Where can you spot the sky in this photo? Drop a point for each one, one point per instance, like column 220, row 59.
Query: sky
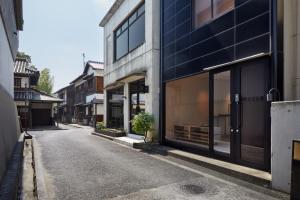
column 57, row 32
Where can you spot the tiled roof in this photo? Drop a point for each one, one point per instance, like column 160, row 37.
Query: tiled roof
column 96, row 65
column 22, row 67
column 41, row 96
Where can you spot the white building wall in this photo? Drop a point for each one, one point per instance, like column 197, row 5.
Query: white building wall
column 9, row 124
column 6, row 62
column 285, row 129
column 291, row 50
column 145, row 58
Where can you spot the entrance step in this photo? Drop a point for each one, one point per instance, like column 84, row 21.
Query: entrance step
column 131, row 142
column 258, row 177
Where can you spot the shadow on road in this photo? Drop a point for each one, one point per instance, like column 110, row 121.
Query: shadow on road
column 47, row 128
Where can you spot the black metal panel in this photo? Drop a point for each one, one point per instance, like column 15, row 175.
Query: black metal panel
column 251, row 9
column 253, row 28
column 253, row 47
column 241, row 32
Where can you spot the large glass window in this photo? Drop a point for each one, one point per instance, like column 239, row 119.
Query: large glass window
column 137, row 33
column 122, row 45
column 222, row 104
column 130, row 33
column 205, row 10
column 222, row 6
column 187, row 110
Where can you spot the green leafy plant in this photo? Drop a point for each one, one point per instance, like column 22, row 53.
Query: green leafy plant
column 100, row 126
column 143, row 123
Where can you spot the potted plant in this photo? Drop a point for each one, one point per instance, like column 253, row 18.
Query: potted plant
column 143, row 124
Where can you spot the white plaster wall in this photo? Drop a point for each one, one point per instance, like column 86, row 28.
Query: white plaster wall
column 6, row 62
column 24, row 82
column 90, row 98
column 144, row 58
column 291, row 50
column 100, row 110
column 285, row 128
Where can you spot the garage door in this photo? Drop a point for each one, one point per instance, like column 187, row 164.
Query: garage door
column 41, row 117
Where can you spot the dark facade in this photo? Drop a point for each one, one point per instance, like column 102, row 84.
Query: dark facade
column 65, row 110
column 236, row 50
column 88, row 95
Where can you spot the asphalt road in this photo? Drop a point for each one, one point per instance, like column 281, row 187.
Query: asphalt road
column 74, row 164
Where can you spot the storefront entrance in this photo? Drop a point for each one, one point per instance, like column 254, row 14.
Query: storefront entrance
column 115, row 106
column 137, row 99
column 222, row 113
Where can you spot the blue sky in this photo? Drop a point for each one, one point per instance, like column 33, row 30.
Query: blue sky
column 57, row 32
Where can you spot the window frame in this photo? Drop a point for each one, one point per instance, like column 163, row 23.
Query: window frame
column 129, row 24
column 213, row 17
column 17, row 80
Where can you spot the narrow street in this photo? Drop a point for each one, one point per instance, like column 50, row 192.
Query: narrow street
column 78, row 165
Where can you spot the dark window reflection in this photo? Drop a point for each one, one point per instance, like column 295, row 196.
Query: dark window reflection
column 137, row 33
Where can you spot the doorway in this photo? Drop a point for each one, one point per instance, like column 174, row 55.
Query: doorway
column 240, row 119
column 115, row 107
column 137, row 99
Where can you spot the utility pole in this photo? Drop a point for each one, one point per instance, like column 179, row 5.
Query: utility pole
column 83, row 57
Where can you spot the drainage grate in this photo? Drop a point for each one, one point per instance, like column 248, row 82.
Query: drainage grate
column 193, row 189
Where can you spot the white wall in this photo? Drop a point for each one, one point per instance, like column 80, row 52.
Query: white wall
column 9, row 124
column 285, row 128
column 144, row 58
column 291, row 50
column 6, row 62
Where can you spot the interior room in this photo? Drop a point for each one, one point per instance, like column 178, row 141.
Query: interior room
column 187, row 110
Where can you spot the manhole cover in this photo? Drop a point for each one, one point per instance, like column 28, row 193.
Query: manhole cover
column 192, row 189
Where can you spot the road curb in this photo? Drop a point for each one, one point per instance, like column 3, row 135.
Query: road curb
column 103, row 136
column 40, row 181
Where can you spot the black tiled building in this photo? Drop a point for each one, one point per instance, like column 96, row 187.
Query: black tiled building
column 220, row 58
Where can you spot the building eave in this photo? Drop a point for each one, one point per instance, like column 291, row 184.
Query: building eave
column 111, row 12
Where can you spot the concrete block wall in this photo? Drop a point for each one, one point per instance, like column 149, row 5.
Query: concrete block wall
column 9, row 129
column 9, row 124
column 285, row 128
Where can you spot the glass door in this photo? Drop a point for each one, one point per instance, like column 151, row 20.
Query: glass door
column 137, row 99
column 222, row 112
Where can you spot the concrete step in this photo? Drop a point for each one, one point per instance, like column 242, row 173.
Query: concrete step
column 131, row 142
column 255, row 176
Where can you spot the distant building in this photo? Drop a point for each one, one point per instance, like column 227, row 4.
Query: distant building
column 83, row 98
column 132, row 62
column 65, row 109
column 35, row 108
column 11, row 22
